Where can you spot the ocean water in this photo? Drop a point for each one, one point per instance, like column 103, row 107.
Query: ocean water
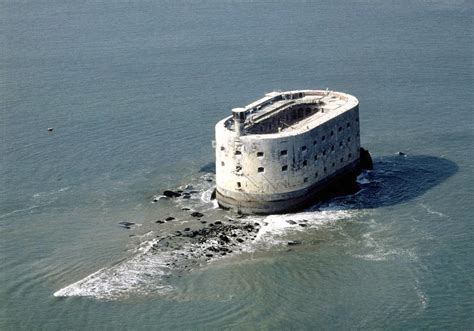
column 133, row 90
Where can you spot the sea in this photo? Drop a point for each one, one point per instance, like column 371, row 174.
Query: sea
column 132, row 91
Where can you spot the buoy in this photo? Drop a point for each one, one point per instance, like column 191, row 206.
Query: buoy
column 50, row 129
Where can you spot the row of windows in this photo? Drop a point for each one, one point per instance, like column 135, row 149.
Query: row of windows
column 305, row 162
column 285, row 152
column 285, row 168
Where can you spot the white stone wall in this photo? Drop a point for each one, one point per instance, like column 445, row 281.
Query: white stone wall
column 255, row 164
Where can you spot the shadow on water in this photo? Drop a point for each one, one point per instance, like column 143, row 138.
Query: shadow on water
column 398, row 179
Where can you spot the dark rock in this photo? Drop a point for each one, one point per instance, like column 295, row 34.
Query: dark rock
column 171, row 194
column 303, row 225
column 126, row 223
column 186, row 197
column 159, row 221
column 50, row 129
column 224, row 238
column 179, row 191
column 187, row 229
column 240, row 240
column 294, row 242
column 186, row 209
column 209, row 255
column 197, row 214
column 290, row 222
column 169, row 218
column 366, row 160
column 203, row 222
column 213, row 194
column 178, row 233
column 217, row 222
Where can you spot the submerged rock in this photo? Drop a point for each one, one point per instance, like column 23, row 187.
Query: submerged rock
column 294, row 242
column 171, row 194
column 197, row 214
column 366, row 160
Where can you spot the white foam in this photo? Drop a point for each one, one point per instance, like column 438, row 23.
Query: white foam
column 363, row 178
column 142, row 274
column 18, row 211
column 432, row 211
column 274, row 228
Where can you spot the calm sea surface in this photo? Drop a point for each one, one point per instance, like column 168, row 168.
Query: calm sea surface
column 133, row 90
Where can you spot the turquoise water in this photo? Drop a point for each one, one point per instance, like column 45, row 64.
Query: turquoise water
column 133, row 90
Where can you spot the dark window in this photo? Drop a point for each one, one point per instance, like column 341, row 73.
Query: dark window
column 357, row 120
column 349, row 139
column 303, row 148
column 238, row 153
column 333, row 164
column 332, row 148
column 260, row 169
column 222, row 163
column 305, row 163
column 323, row 138
column 316, row 175
column 350, row 155
column 284, row 152
column 348, row 124
column 332, row 133
column 340, row 129
column 342, row 159
column 316, row 157
column 284, row 168
column 239, row 185
column 340, row 144
column 222, row 148
column 325, row 169
column 324, row 152
column 259, row 154
column 306, row 180
column 315, row 142
column 238, row 168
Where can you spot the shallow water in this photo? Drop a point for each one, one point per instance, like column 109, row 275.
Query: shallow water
column 133, row 91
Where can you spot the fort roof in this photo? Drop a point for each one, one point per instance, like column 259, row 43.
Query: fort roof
column 289, row 112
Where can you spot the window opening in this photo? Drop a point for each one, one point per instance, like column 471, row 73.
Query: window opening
column 284, row 168
column 260, row 169
column 259, row 154
column 284, row 152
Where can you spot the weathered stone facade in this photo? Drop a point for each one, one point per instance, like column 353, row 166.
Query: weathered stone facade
column 275, row 154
